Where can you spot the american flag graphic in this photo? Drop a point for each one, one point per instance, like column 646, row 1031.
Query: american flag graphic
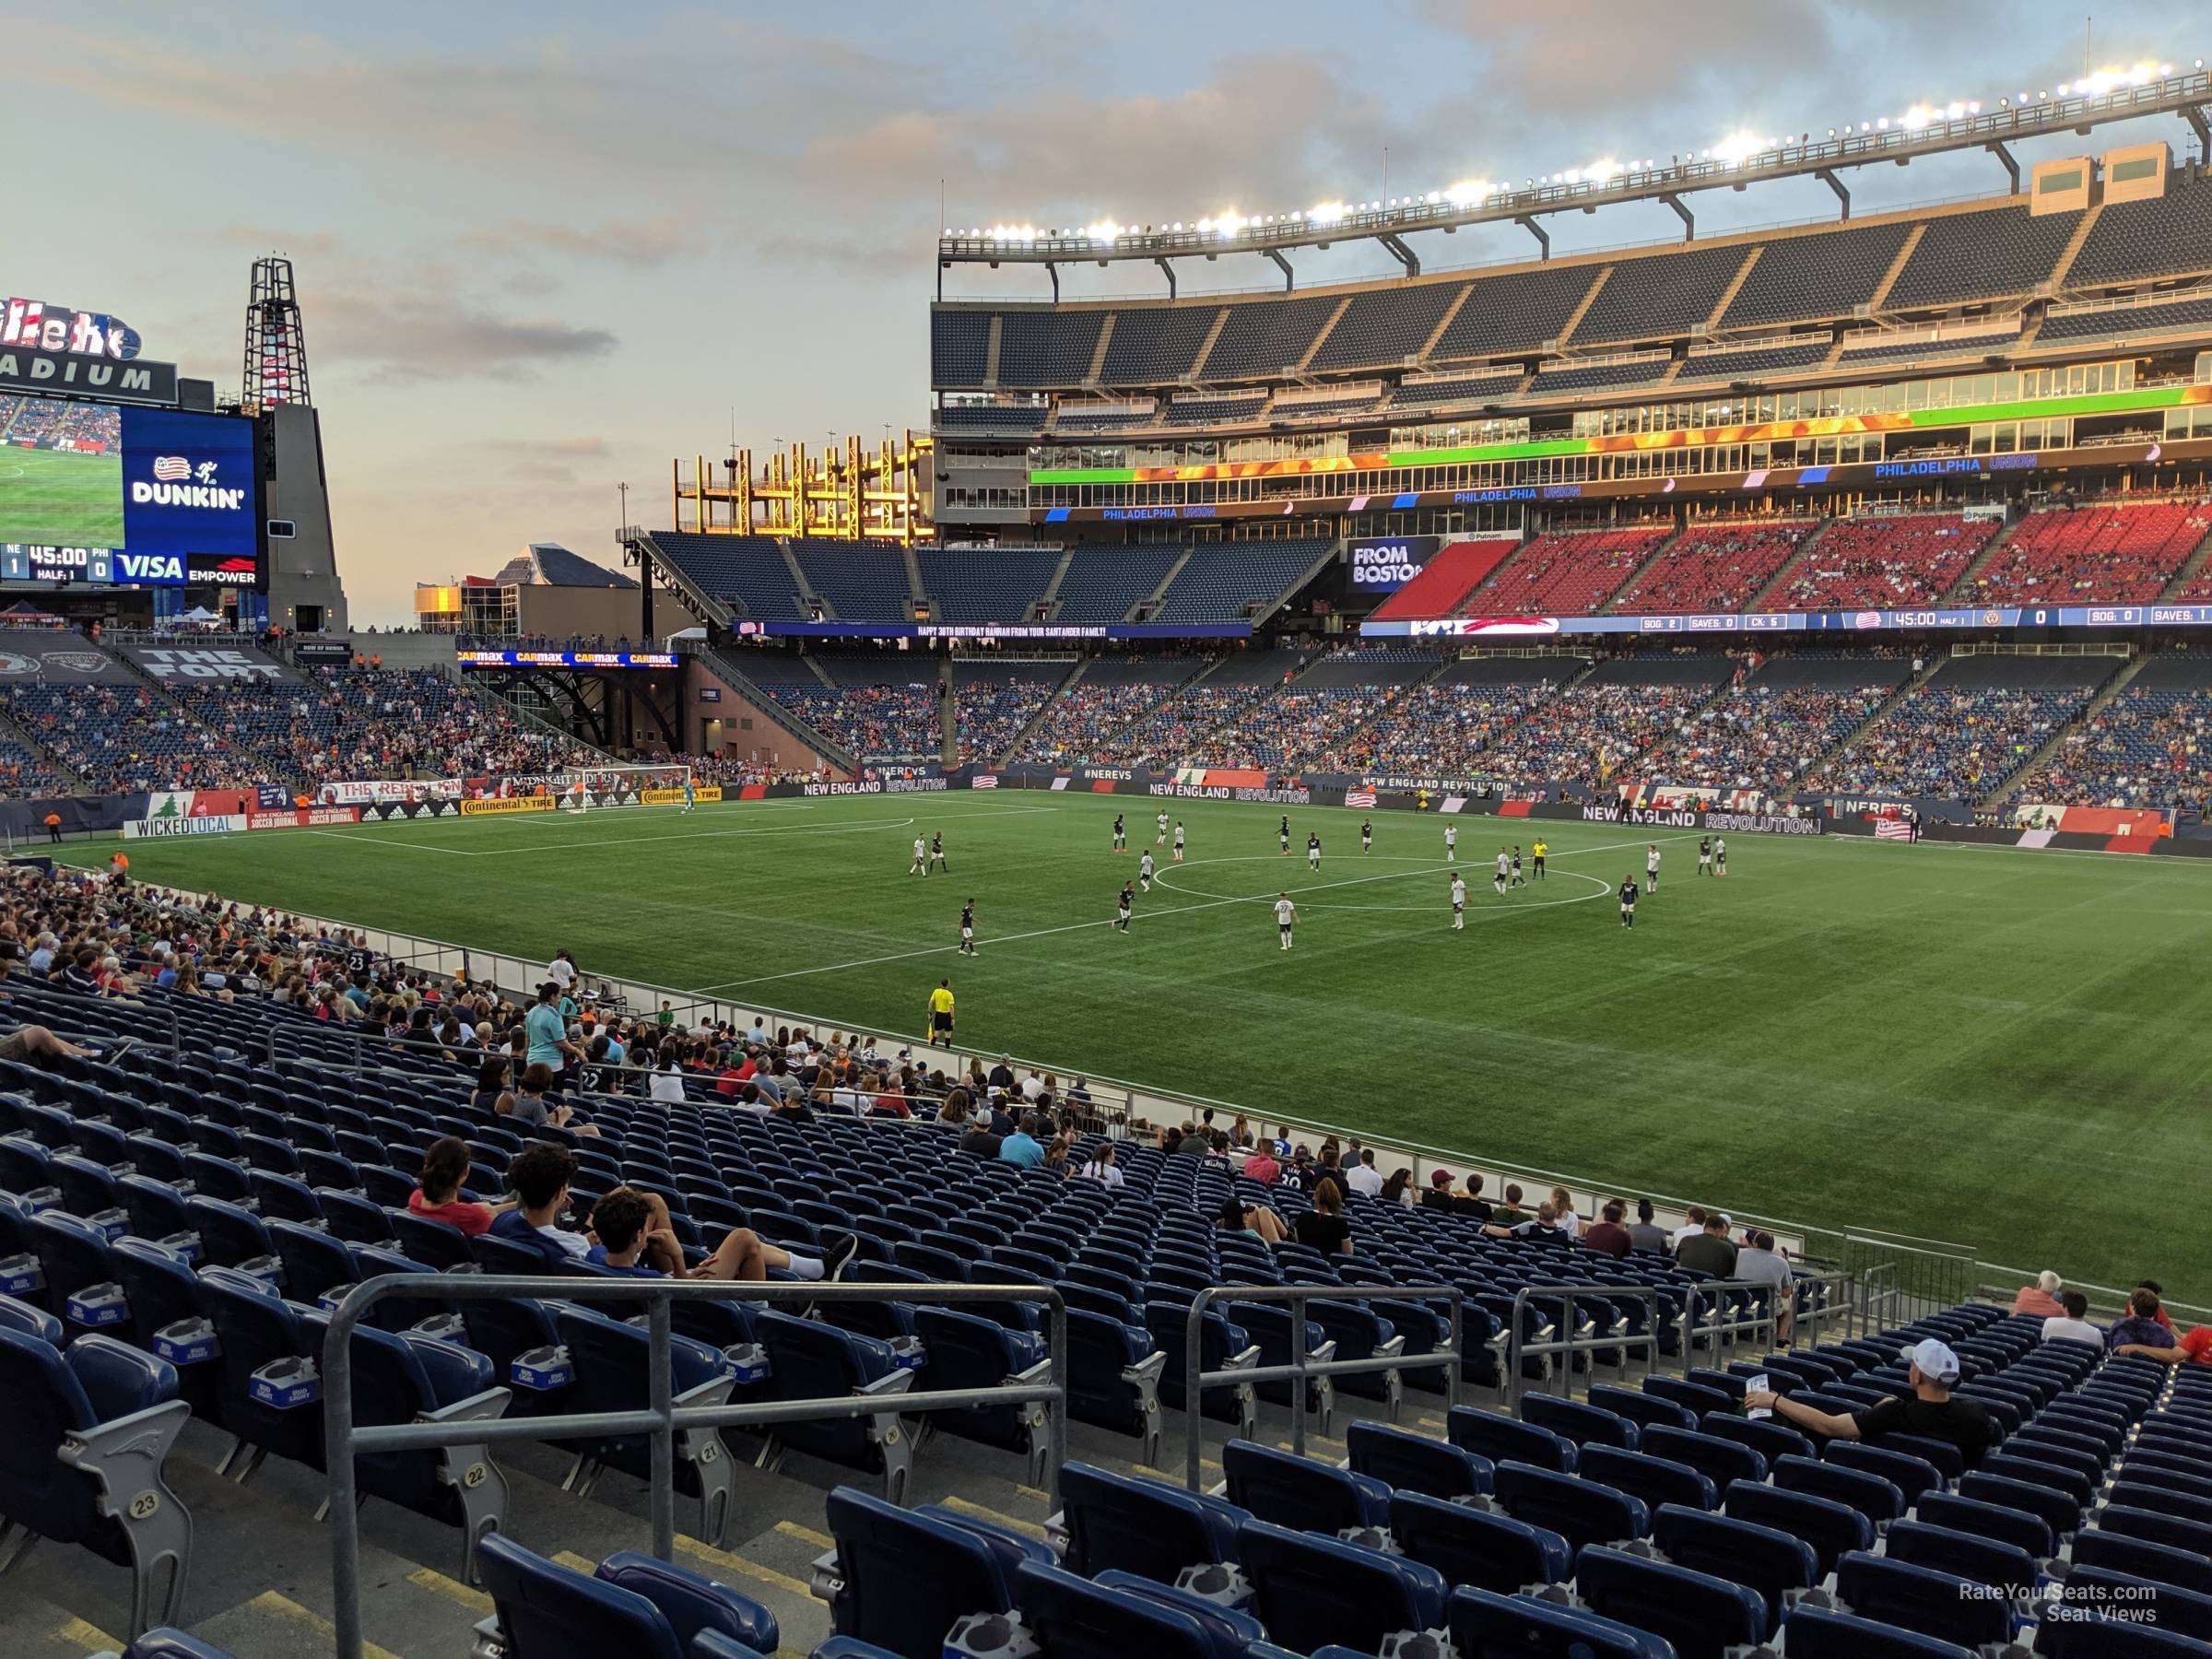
column 172, row 469
column 1359, row 798
column 985, row 781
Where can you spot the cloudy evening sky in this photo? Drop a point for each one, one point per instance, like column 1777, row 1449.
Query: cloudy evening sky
column 542, row 249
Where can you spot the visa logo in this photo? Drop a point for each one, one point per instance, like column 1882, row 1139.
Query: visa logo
column 149, row 567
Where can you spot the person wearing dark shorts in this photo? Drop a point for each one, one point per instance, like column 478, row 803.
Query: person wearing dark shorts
column 940, row 1009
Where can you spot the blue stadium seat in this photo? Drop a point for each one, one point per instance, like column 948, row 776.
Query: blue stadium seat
column 1586, row 1426
column 633, row 1605
column 1910, row 1475
column 2140, row 1558
column 1983, row 1560
column 2145, row 1601
column 1720, row 1461
column 1770, row 1440
column 2056, row 1510
column 1823, row 1633
column 1485, row 1624
column 1769, row 1561
column 1654, row 1480
column 1486, row 1434
column 1484, row 1548
column 612, row 1362
column 967, row 1352
column 1221, row 1346
column 2156, row 1527
column 1701, row 1615
column 1231, row 1632
column 1941, row 1605
column 815, row 1362
column 1407, row 1462
column 1581, row 1511
column 1075, row 1619
column 1873, row 1496
column 1646, row 1411
column 903, row 1580
column 166, row 1642
column 1299, row 1493
column 1327, row 1590
column 90, row 1428
column 1125, row 1522
column 1833, row 1529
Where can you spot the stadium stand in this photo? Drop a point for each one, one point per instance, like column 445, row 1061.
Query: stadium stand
column 2168, row 235
column 986, row 584
column 1382, row 327
column 1714, row 567
column 1264, row 337
column 1214, row 411
column 992, row 701
column 24, row 773
column 2121, row 554
column 1112, row 695
column 882, row 707
column 1446, row 578
column 746, row 570
column 1454, row 389
column 1824, row 275
column 1514, row 311
column 1104, row 583
column 1444, row 725
column 1884, row 562
column 2097, row 1455
column 860, row 581
column 1882, row 349
column 1011, row 420
column 1599, row 727
column 2150, row 747
column 960, row 348
column 1980, row 256
column 1568, row 376
column 1743, row 362
column 1973, row 724
column 1768, row 731
column 1316, row 408
column 117, row 738
column 1152, row 345
column 1047, row 347
column 2106, row 322
column 1566, row 574
column 1324, row 718
column 1174, row 730
column 1076, row 421
column 1225, row 581
column 1655, row 295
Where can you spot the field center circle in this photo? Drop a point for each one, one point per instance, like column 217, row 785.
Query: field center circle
column 1428, row 868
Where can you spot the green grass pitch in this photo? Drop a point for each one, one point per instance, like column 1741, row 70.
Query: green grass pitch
column 1980, row 1045
column 53, row 495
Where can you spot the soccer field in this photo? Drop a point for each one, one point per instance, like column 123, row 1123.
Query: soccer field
column 54, row 496
column 1981, row 1045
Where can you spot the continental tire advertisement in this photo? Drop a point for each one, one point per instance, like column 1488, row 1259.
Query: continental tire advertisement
column 675, row 797
column 487, row 808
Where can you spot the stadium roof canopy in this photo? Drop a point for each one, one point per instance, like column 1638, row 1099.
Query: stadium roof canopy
column 548, row 564
column 2098, row 101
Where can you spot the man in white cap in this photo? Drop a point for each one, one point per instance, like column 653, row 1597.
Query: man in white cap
column 1929, row 1409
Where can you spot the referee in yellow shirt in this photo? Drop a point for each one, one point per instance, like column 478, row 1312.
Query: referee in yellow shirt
column 1538, row 853
column 940, row 1009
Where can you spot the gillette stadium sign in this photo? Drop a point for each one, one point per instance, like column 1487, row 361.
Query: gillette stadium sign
column 46, row 347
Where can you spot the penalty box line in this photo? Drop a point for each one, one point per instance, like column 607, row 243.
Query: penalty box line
column 1181, row 910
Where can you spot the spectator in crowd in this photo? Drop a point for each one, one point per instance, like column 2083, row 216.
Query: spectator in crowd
column 1693, row 1223
column 1323, row 1228
column 1261, row 1165
column 1471, row 1203
column 1023, row 1146
column 1542, row 1226
column 1562, row 1209
column 632, row 1235
column 2146, row 1334
column 1362, row 1176
column 1644, row 1235
column 548, row 1032
column 743, row 1254
column 538, row 1177
column 436, row 1195
column 2158, row 1290
column 1439, row 1195
column 1510, row 1213
column 1759, row 1263
column 1607, row 1233
column 1238, row 1217
column 2072, row 1323
column 1929, row 1409
column 2041, row 1299
column 1398, row 1189
column 1709, row 1251
column 1101, row 1167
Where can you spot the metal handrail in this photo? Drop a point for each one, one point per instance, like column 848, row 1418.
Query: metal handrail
column 1301, row 1369
column 662, row 1418
column 1568, row 1344
column 1890, row 1296
column 1762, row 1296
column 1830, row 1302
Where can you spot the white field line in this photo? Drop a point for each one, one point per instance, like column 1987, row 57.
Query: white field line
column 656, row 841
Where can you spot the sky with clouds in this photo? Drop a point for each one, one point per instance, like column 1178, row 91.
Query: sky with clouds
column 543, row 248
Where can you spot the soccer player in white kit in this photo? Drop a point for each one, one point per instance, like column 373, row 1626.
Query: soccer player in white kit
column 1178, row 841
column 1450, row 843
column 920, row 865
column 1651, row 868
column 1161, row 840
column 1719, row 856
column 1143, row 871
column 1459, row 904
column 1498, row 880
column 1286, row 917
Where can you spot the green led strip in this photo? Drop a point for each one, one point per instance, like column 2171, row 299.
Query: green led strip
column 2086, row 402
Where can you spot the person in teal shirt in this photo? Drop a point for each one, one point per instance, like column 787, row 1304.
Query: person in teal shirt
column 1023, row 1146
column 547, row 1031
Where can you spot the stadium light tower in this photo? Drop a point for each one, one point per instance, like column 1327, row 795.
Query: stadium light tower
column 276, row 349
